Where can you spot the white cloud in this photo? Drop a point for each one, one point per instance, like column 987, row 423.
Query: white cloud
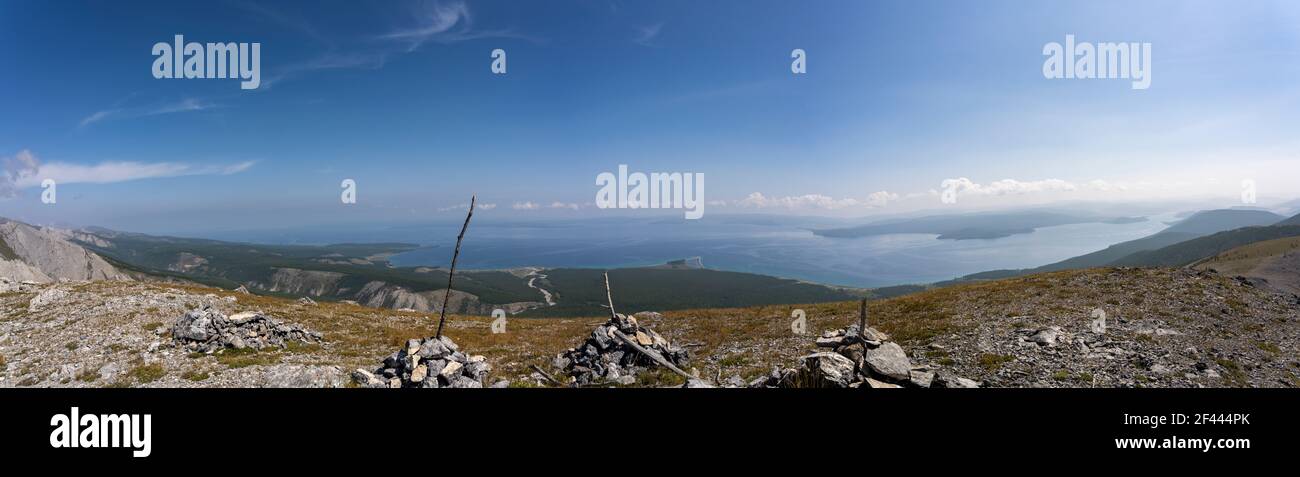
column 881, row 198
column 443, row 22
column 182, row 106
column 465, row 206
column 26, row 170
column 525, row 206
column 1006, row 186
column 562, row 205
column 646, row 35
column 16, row 171
column 815, row 201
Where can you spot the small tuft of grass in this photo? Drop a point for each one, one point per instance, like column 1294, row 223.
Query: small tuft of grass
column 150, row 326
column 146, row 373
column 658, row 377
column 1061, row 375
column 1269, row 347
column 991, row 362
column 71, row 346
column 1233, row 373
column 240, row 358
column 88, row 375
column 193, row 375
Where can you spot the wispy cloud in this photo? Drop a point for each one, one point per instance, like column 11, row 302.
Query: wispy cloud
column 26, row 170
column 443, row 22
column 433, row 21
column 525, row 206
column 182, row 106
column 646, row 35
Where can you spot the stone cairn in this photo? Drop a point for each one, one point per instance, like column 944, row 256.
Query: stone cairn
column 616, row 351
column 427, row 363
column 860, row 356
column 206, row 330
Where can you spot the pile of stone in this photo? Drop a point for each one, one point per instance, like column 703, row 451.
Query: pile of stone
column 427, row 363
column 616, row 351
column 859, row 359
column 206, row 330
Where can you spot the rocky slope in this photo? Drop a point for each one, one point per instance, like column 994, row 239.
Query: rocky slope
column 1273, row 263
column 44, row 255
column 1164, row 328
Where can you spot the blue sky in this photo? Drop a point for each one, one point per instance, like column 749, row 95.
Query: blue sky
column 898, row 97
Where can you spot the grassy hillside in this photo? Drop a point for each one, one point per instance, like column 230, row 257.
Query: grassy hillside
column 581, row 292
column 1190, row 251
column 1242, row 260
column 231, row 264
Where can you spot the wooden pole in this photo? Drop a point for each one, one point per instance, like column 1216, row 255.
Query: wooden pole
column 862, row 320
column 610, row 297
column 442, row 317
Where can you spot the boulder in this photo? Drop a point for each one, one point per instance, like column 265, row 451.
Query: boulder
column 888, row 362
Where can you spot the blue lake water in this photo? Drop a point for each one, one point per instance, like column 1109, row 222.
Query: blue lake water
column 778, row 250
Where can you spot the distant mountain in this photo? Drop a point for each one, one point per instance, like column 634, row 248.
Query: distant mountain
column 40, row 254
column 1195, row 225
column 971, row 226
column 1291, row 221
column 1187, row 252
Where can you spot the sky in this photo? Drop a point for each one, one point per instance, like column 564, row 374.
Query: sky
column 899, row 101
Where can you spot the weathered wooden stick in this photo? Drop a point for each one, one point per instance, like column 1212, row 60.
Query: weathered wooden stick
column 442, row 316
column 653, row 356
column 547, row 375
column 610, row 296
column 862, row 320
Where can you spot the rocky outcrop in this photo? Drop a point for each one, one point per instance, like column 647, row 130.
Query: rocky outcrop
column 44, row 255
column 294, row 281
column 427, row 363
column 384, row 295
column 616, row 351
column 859, row 360
column 207, row 330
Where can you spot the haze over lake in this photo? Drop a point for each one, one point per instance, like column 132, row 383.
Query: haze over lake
column 770, row 247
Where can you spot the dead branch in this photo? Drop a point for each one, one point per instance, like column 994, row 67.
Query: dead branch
column 610, row 296
column 547, row 375
column 656, row 357
column 442, row 316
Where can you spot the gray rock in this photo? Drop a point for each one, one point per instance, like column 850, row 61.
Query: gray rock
column 300, row 376
column 946, row 379
column 465, row 382
column 1046, row 336
column 889, row 362
column 433, row 349
column 827, row 370
column 695, row 383
column 921, row 379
